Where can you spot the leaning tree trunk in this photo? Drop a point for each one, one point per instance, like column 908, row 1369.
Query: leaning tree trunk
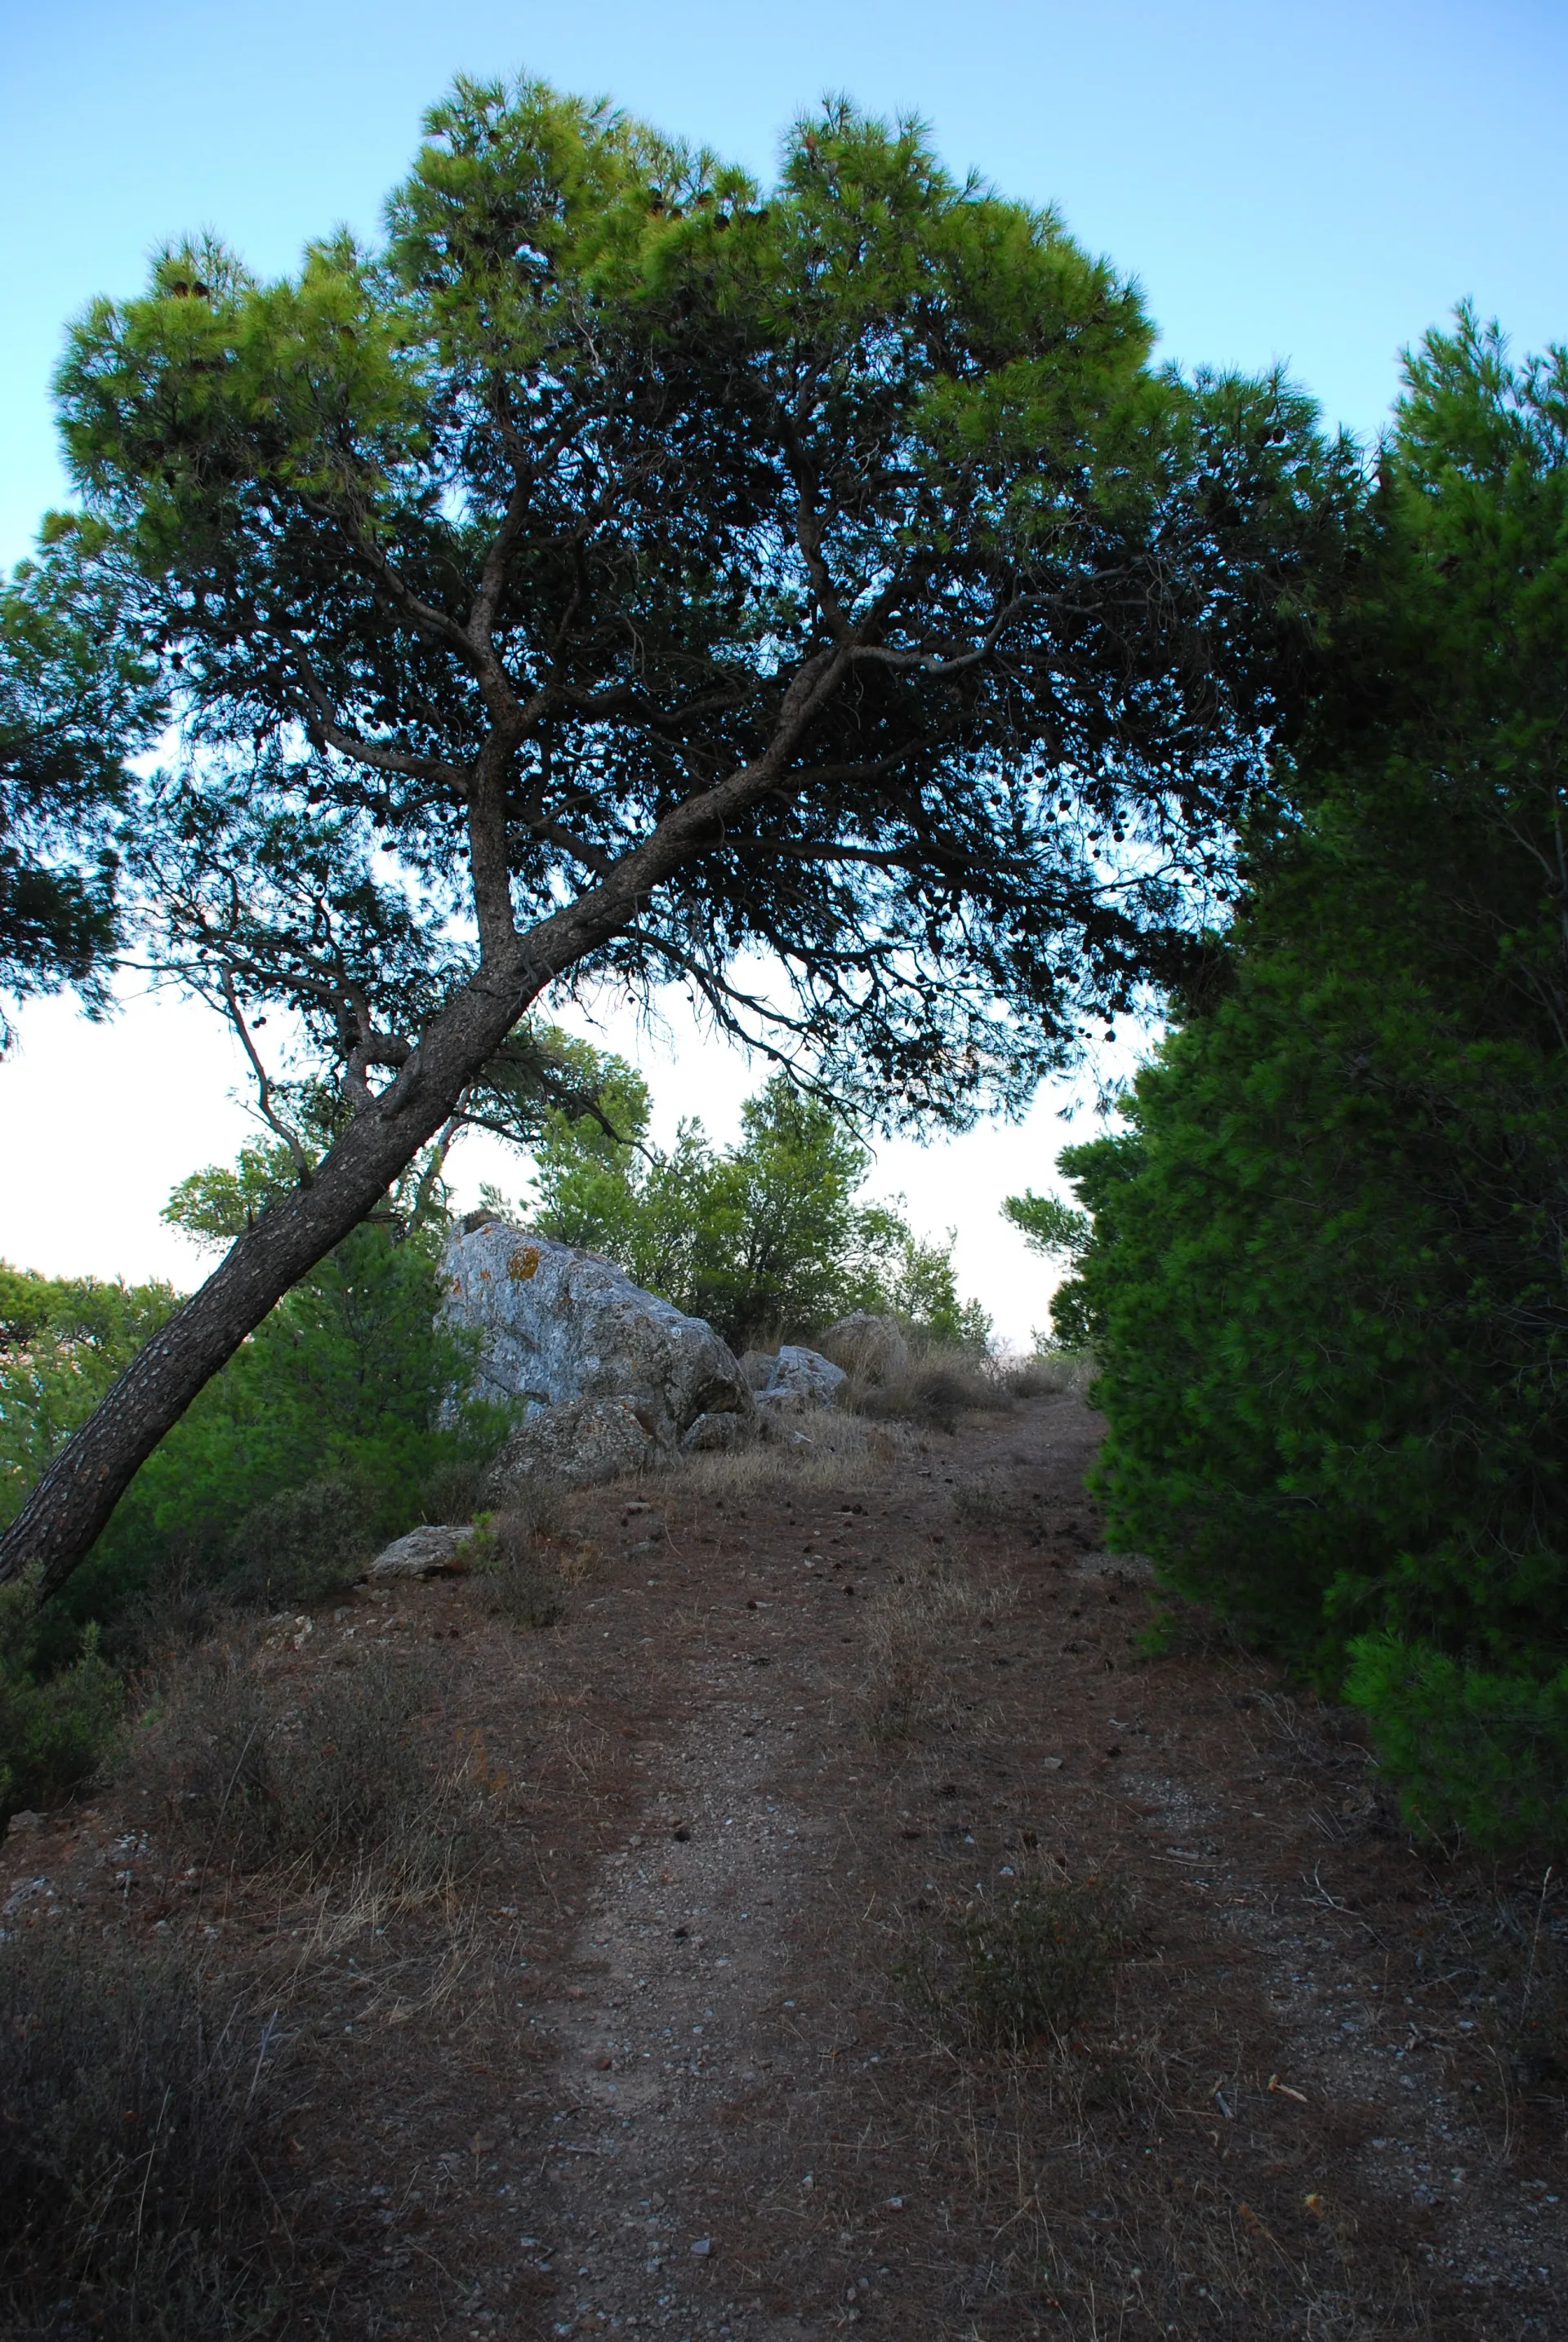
column 71, row 1503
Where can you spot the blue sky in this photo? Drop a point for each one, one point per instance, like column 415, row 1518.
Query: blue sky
column 1311, row 183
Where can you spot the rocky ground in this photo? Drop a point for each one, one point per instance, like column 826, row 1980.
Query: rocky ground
column 665, row 2066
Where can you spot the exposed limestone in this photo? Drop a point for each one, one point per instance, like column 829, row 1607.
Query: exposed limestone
column 872, row 1347
column 712, row 1432
column 426, row 1552
column 558, row 1326
column 575, row 1445
column 801, row 1380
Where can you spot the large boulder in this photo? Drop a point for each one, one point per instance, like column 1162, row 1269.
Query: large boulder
column 575, row 1445
column 427, row 1551
column 556, row 1324
column 613, row 1379
column 800, row 1380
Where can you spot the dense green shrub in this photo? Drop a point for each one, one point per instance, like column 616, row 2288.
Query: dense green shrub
column 1326, row 1283
column 53, row 1731
column 1325, row 1294
column 1481, row 1751
column 345, row 1386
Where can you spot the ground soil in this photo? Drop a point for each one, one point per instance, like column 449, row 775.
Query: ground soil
column 661, row 2068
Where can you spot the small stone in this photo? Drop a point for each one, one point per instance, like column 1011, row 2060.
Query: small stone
column 702, row 2248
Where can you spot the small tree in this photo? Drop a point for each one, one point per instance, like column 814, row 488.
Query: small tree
column 763, row 1237
column 621, row 568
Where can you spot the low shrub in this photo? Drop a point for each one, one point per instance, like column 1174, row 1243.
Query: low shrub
column 1050, row 1373
column 53, row 1729
column 133, row 2099
column 939, row 1383
column 514, row 1557
column 348, row 1778
column 182, row 1603
column 451, row 1494
column 1023, row 1964
column 978, row 1504
column 300, row 1544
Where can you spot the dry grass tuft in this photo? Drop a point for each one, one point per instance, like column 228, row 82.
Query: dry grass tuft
column 1050, row 1373
column 937, row 1388
column 134, row 2098
column 980, row 1504
column 529, row 1555
column 348, row 1780
column 515, row 1556
column 1020, row 1964
column 910, row 1627
column 828, row 1450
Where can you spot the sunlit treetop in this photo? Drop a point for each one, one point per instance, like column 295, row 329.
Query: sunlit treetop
column 625, row 572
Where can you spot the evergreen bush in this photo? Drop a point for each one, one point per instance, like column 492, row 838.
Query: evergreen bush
column 1326, row 1282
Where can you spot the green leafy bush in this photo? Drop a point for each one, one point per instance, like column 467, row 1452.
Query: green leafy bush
column 346, row 1385
column 768, row 1237
column 1324, row 1296
column 53, row 1733
column 1478, row 1750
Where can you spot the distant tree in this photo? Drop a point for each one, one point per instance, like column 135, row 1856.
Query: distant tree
column 1055, row 1229
column 622, row 570
column 64, row 1342
column 767, row 1237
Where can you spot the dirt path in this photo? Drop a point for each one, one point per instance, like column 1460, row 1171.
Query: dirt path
column 672, row 2076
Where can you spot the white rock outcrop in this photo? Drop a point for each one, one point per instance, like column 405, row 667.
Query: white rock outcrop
column 614, row 1379
column 575, row 1445
column 800, row 1380
column 873, row 1346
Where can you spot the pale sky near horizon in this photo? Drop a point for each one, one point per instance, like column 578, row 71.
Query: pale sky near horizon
column 1312, row 184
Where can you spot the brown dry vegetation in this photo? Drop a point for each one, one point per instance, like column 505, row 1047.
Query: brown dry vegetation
column 833, row 1887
